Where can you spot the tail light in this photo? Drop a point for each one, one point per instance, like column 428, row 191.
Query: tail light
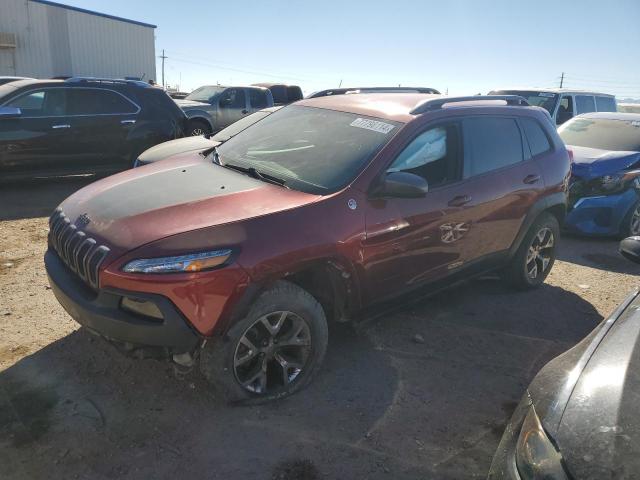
column 570, row 152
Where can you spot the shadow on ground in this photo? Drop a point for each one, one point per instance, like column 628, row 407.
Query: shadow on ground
column 386, row 404
column 600, row 253
column 37, row 198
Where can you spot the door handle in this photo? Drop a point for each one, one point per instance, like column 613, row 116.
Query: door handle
column 531, row 179
column 127, row 122
column 64, row 125
column 459, row 201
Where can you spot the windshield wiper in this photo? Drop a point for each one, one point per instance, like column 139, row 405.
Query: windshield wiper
column 265, row 177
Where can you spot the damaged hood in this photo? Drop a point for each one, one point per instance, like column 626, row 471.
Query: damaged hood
column 191, row 104
column 174, row 147
column 133, row 208
column 592, row 162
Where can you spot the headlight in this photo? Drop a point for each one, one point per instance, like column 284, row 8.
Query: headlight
column 616, row 183
column 194, row 262
column 536, row 457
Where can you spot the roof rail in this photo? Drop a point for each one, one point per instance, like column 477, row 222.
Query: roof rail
column 440, row 102
column 346, row 91
column 119, row 81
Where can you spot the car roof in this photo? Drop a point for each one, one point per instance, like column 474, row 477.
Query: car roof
column 256, row 87
column 611, row 115
column 552, row 90
column 399, row 107
column 80, row 81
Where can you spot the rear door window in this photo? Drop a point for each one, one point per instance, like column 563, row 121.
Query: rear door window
column 490, row 143
column 538, row 140
column 585, row 104
column 606, row 104
column 85, row 101
column 258, row 98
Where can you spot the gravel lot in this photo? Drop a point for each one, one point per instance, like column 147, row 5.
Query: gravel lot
column 423, row 392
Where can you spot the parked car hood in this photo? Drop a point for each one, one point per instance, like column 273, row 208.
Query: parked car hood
column 190, row 104
column 593, row 162
column 174, row 147
column 588, row 399
column 142, row 205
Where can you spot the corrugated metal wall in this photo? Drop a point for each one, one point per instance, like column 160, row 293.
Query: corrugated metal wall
column 54, row 41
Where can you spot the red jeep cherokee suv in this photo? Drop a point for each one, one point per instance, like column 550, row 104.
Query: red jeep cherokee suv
column 238, row 259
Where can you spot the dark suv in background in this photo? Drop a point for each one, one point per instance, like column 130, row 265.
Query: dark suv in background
column 316, row 213
column 81, row 125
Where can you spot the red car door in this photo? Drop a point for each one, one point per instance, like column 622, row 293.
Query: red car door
column 482, row 185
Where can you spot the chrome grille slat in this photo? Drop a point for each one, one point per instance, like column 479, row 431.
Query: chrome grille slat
column 79, row 252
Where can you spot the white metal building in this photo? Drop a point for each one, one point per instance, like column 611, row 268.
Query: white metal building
column 43, row 39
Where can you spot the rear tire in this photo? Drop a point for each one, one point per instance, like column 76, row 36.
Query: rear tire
column 536, row 255
column 273, row 352
column 197, row 128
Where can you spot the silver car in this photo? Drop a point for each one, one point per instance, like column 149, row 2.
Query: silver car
column 214, row 107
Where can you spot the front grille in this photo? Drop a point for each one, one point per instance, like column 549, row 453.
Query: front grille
column 79, row 252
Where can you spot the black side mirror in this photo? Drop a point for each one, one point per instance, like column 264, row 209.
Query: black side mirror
column 630, row 249
column 402, row 185
column 10, row 112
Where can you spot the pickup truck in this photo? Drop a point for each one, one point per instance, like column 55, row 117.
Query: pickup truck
column 213, row 107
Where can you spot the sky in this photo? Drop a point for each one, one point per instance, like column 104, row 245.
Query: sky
column 460, row 46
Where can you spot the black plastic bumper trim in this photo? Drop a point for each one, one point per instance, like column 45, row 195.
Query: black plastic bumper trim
column 101, row 312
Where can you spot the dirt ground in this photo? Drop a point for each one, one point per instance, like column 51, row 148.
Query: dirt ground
column 386, row 404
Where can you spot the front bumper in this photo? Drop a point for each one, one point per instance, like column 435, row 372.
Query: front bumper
column 503, row 466
column 603, row 215
column 101, row 312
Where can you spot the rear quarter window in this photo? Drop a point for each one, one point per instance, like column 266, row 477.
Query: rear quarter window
column 258, row 98
column 490, row 143
column 536, row 137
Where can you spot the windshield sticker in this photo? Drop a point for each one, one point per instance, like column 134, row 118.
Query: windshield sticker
column 374, row 125
column 545, row 94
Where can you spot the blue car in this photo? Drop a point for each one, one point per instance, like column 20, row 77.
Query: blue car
column 604, row 191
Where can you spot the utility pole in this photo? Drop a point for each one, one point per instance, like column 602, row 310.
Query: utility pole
column 561, row 79
column 163, row 57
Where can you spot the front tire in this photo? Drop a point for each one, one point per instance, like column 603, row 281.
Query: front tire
column 273, row 352
column 536, row 255
column 197, row 128
column 631, row 223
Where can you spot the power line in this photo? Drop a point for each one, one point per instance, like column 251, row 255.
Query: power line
column 598, row 77
column 222, row 65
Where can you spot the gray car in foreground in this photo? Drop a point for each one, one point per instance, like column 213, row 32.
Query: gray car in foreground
column 579, row 418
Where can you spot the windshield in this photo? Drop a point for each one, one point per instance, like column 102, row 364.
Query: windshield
column 602, row 133
column 204, row 94
column 312, row 149
column 235, row 128
column 546, row 100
